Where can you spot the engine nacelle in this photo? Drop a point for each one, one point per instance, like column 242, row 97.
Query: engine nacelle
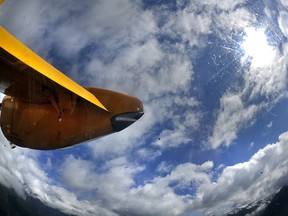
column 43, row 126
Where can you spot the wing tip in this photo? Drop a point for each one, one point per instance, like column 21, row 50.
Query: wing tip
column 100, row 105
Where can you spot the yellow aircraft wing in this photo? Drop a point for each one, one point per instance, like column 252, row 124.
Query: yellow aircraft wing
column 24, row 63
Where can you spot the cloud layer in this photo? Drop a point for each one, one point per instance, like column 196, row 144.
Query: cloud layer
column 153, row 51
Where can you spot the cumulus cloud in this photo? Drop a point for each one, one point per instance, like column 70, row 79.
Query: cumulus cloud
column 115, row 188
column 235, row 20
column 224, row 5
column 161, row 190
column 267, row 80
column 110, row 184
column 164, row 167
column 20, row 170
column 233, row 115
column 182, row 125
column 242, row 183
column 188, row 26
column 282, row 24
column 236, row 185
column 284, row 3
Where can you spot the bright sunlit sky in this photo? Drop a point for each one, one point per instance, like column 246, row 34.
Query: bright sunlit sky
column 212, row 76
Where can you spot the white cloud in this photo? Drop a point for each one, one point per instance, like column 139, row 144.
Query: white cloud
column 211, row 4
column 229, row 5
column 15, row 162
column 110, row 185
column 189, row 26
column 282, row 24
column 115, row 188
column 173, row 138
column 270, row 124
column 262, row 173
column 182, row 124
column 233, row 116
column 269, row 80
column 83, row 169
column 284, row 3
column 164, row 167
column 235, row 20
column 158, row 196
column 255, row 179
column 28, row 21
column 20, row 170
column 147, row 154
column 226, row 4
column 251, row 145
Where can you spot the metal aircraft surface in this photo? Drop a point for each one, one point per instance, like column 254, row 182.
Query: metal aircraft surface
column 44, row 109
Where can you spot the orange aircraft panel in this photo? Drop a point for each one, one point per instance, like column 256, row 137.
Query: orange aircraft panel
column 44, row 109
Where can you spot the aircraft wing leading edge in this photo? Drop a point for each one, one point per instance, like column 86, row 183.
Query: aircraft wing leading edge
column 27, row 57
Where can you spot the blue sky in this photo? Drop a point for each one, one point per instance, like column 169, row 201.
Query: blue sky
column 213, row 80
